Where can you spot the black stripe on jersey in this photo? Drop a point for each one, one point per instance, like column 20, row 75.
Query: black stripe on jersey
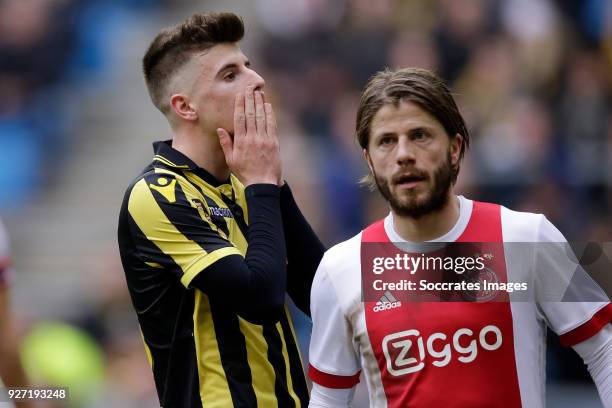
column 150, row 286
column 275, row 357
column 182, row 386
column 173, row 355
column 198, row 187
column 220, row 222
column 149, row 252
column 297, row 372
column 184, row 217
column 232, row 348
column 238, row 214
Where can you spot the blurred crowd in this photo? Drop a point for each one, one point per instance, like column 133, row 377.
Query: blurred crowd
column 51, row 53
column 532, row 77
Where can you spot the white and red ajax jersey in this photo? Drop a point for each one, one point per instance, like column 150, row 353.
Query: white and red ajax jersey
column 438, row 354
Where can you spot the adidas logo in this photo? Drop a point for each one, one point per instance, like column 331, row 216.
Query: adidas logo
column 386, row 302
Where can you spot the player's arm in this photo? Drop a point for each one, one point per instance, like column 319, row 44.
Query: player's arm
column 334, row 364
column 304, row 250
column 582, row 317
column 11, row 370
column 175, row 234
column 253, row 154
column 596, row 352
column 255, row 285
column 323, row 397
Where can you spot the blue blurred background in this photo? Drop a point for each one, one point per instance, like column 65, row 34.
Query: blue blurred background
column 532, row 77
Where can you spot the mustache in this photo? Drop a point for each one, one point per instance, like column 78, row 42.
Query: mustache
column 406, row 176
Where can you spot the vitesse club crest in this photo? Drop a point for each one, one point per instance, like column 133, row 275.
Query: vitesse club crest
column 199, row 205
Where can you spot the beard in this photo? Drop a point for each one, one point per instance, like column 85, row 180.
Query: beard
column 413, row 206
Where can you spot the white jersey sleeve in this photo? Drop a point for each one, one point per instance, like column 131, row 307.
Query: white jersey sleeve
column 6, row 268
column 323, row 397
column 596, row 353
column 585, row 308
column 334, row 361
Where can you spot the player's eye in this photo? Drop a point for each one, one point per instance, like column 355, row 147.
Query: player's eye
column 229, row 77
column 419, row 135
column 386, row 140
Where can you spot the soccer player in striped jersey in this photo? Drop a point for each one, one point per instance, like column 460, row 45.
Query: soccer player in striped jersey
column 442, row 354
column 210, row 237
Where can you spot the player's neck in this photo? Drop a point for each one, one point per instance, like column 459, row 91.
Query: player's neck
column 430, row 226
column 204, row 150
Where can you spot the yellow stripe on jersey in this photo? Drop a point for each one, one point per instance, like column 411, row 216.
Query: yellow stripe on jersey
column 287, row 363
column 290, row 321
column 240, row 197
column 192, row 193
column 257, row 355
column 214, row 389
column 154, row 265
column 210, row 191
column 152, row 221
column 236, row 237
column 147, row 349
column 187, row 187
column 205, row 262
column 168, row 162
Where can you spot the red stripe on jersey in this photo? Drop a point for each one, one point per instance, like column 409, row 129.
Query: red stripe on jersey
column 466, row 348
column 332, row 380
column 375, row 233
column 484, row 225
column 589, row 328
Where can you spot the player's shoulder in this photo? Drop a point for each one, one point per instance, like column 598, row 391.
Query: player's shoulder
column 343, row 257
column 161, row 182
column 339, row 274
column 522, row 226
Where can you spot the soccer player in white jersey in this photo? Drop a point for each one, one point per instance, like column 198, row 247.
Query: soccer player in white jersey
column 440, row 354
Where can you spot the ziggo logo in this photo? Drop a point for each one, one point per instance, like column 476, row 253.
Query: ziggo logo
column 400, row 345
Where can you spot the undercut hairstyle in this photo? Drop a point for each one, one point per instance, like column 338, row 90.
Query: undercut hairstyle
column 174, row 46
column 416, row 85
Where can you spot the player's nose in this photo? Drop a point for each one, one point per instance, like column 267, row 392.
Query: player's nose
column 405, row 151
column 257, row 81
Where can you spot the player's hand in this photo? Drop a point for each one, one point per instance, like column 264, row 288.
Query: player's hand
column 253, row 155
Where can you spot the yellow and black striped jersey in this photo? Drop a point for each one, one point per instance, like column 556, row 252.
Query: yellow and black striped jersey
column 176, row 220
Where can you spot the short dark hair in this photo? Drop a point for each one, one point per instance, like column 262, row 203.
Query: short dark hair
column 416, row 85
column 174, row 46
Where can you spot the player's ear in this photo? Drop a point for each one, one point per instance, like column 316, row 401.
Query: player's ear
column 368, row 159
column 456, row 143
column 182, row 107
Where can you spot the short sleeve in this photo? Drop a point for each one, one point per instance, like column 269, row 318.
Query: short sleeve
column 334, row 362
column 173, row 228
column 575, row 307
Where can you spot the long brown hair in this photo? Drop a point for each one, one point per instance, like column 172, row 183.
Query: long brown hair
column 416, row 85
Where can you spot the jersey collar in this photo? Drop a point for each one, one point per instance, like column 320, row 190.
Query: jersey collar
column 465, row 213
column 166, row 154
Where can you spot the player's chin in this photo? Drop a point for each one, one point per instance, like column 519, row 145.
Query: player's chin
column 402, row 191
column 410, row 197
